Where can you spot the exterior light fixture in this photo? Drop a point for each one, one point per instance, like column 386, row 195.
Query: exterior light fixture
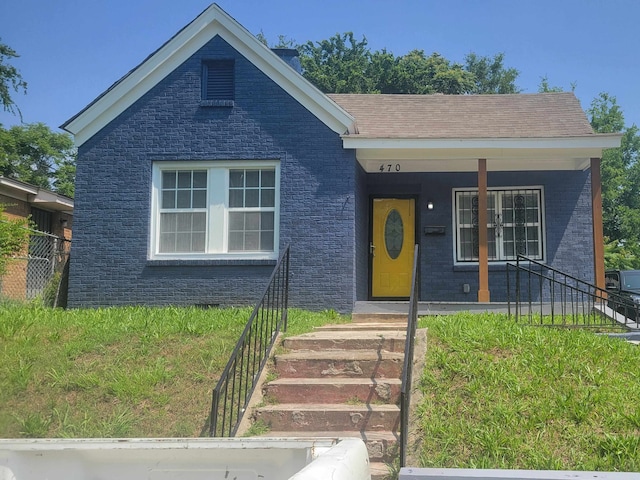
column 429, row 205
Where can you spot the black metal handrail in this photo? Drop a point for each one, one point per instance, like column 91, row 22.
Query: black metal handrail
column 238, row 380
column 407, row 369
column 554, row 298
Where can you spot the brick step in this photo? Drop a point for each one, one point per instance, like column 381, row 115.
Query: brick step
column 382, row 446
column 333, row 390
column 319, row 341
column 312, row 416
column 337, row 363
column 378, row 327
column 379, row 317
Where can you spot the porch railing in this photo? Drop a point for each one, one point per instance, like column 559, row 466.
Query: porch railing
column 234, row 389
column 543, row 295
column 407, row 369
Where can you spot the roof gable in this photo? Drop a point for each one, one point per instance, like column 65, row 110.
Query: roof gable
column 213, row 21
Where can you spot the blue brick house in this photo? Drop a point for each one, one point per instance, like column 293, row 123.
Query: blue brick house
column 199, row 166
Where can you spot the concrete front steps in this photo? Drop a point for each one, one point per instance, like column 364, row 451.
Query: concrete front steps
column 340, row 381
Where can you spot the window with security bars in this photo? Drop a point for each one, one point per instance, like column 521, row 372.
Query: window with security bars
column 215, row 210
column 514, row 224
column 218, row 80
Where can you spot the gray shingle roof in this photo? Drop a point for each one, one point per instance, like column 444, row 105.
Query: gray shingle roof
column 539, row 115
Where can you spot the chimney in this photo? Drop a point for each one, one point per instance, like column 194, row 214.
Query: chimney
column 291, row 56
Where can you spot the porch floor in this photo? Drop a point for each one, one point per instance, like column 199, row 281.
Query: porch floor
column 429, row 308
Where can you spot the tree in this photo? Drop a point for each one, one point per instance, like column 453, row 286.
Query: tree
column 545, row 86
column 419, row 74
column 337, row 65
column 621, row 257
column 10, row 79
column 490, row 75
column 343, row 64
column 620, row 172
column 32, row 153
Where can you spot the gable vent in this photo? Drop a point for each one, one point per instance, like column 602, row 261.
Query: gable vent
column 218, row 80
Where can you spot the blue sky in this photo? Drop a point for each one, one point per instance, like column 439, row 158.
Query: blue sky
column 72, row 50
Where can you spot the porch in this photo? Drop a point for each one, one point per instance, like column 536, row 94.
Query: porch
column 490, row 178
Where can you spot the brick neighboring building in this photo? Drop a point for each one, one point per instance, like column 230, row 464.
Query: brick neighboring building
column 49, row 213
column 200, row 165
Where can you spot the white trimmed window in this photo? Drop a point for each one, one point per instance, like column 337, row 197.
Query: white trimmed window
column 214, row 210
column 515, row 224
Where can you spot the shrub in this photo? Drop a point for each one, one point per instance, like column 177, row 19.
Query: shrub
column 14, row 237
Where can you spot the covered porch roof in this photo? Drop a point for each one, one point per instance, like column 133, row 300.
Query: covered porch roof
column 433, row 133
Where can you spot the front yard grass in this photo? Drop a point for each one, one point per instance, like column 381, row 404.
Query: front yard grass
column 495, row 394
column 502, row 395
column 117, row 372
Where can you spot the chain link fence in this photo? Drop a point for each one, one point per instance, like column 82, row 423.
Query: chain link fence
column 36, row 273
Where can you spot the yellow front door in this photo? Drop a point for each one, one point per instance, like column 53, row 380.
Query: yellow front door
column 393, row 240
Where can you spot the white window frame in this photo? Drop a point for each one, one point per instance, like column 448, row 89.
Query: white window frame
column 217, row 209
column 542, row 235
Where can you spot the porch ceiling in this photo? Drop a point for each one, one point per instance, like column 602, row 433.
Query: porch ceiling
column 461, row 155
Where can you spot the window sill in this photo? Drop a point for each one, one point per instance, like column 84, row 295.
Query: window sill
column 474, row 268
column 217, row 103
column 210, row 262
column 495, row 267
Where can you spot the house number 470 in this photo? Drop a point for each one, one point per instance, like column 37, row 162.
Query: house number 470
column 389, row 167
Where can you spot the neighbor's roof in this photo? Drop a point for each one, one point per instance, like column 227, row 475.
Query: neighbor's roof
column 540, row 115
column 38, row 196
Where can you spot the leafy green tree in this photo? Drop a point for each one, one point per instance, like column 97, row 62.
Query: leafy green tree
column 64, row 176
column 337, row 65
column 620, row 171
column 344, row 64
column 606, row 114
column 32, row 153
column 14, row 237
column 621, row 257
column 10, row 79
column 382, row 72
column 417, row 73
column 490, row 74
column 545, row 86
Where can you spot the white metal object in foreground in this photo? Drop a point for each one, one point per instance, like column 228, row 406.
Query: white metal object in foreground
column 408, row 473
column 184, row 459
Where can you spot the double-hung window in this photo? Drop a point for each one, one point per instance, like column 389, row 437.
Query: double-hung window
column 221, row 210
column 252, row 195
column 514, row 224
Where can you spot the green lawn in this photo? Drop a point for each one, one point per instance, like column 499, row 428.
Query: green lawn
column 495, row 394
column 116, row 372
column 500, row 395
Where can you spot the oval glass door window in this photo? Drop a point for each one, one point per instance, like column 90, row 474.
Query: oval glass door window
column 393, row 234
